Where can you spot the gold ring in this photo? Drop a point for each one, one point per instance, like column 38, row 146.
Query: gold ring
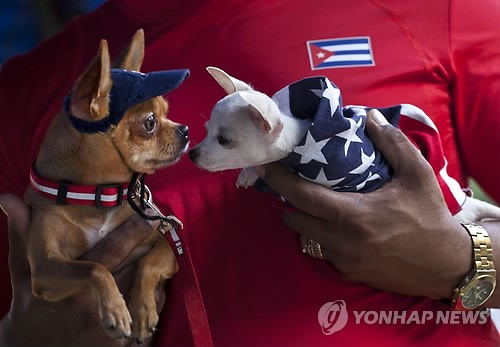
column 312, row 248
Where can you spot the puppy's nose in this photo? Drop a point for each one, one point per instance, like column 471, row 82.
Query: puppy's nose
column 194, row 154
column 183, row 131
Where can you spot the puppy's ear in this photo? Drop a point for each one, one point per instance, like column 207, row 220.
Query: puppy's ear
column 263, row 113
column 132, row 57
column 90, row 95
column 228, row 83
column 259, row 119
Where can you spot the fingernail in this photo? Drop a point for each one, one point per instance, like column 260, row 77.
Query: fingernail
column 3, row 210
column 379, row 118
column 261, row 170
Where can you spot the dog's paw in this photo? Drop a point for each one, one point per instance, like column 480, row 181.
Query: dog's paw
column 116, row 318
column 247, row 178
column 144, row 316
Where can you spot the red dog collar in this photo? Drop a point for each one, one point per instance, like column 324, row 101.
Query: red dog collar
column 103, row 195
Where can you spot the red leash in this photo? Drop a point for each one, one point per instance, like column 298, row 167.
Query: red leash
column 193, row 299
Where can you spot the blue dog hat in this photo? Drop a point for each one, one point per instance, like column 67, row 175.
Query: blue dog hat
column 129, row 88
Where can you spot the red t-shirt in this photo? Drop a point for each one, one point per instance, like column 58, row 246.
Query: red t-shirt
column 259, row 289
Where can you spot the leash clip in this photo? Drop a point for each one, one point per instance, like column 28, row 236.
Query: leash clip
column 169, row 222
column 166, row 222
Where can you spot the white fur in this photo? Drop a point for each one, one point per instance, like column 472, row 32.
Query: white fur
column 241, row 117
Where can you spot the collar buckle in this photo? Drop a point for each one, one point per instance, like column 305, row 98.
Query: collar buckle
column 99, row 192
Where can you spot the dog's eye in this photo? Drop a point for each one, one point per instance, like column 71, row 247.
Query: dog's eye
column 222, row 140
column 150, row 123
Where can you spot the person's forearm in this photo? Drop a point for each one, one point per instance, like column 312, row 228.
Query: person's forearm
column 493, row 229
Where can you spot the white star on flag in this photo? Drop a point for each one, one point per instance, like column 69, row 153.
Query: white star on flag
column 330, row 93
column 311, row 150
column 350, row 134
column 366, row 162
column 322, row 179
column 370, row 177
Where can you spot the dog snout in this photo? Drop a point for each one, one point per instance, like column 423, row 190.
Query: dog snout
column 194, row 154
column 183, row 132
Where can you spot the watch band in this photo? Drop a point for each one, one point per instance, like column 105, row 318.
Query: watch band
column 479, row 284
column 483, row 252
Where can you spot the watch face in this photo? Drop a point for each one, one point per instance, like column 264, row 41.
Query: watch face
column 478, row 294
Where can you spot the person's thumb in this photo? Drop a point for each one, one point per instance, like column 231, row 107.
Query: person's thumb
column 19, row 217
column 396, row 148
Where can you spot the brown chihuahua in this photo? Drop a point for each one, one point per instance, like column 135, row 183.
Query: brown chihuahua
column 113, row 126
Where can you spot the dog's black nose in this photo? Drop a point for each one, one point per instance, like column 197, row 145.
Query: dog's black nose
column 183, row 131
column 194, row 153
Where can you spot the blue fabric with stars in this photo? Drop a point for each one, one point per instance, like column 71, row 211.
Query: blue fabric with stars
column 336, row 151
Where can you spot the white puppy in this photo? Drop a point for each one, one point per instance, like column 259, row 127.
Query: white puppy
column 247, row 128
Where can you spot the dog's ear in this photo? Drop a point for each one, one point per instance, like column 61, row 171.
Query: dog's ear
column 263, row 114
column 228, row 83
column 132, row 57
column 90, row 95
column 259, row 119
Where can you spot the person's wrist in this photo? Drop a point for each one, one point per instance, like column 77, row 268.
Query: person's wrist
column 456, row 248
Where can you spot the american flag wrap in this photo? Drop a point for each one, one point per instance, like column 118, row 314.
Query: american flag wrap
column 336, row 152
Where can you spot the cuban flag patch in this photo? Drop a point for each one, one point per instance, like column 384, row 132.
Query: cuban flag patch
column 340, row 52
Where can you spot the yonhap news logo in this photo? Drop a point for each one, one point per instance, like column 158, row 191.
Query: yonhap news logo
column 333, row 317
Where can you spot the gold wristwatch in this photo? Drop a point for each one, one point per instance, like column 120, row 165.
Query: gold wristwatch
column 480, row 282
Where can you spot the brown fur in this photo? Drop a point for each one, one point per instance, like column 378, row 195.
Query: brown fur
column 60, row 234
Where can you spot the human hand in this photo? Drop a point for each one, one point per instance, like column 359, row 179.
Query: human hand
column 400, row 238
column 73, row 321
